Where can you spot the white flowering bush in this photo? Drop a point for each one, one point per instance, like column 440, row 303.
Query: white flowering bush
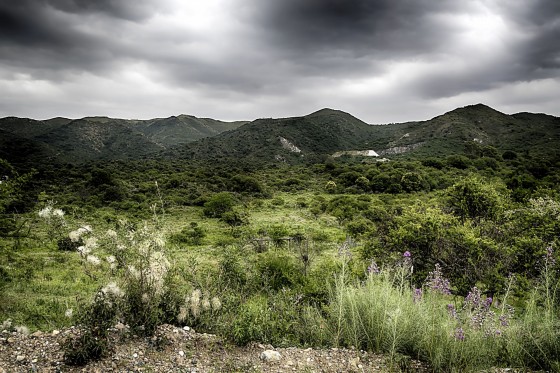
column 137, row 293
column 53, row 219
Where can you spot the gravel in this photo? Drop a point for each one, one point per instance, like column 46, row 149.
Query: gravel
column 174, row 349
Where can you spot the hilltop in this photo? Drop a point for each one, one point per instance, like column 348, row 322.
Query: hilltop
column 63, row 140
column 308, row 139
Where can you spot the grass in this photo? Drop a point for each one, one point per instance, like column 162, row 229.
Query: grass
column 45, row 282
column 270, row 297
column 382, row 315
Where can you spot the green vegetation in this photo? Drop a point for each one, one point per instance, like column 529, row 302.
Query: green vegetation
column 448, row 258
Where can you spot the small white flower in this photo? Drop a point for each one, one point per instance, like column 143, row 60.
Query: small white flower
column 113, row 289
column 195, row 307
column 145, row 297
column 93, row 260
column 111, row 234
column 58, row 213
column 45, row 212
column 78, row 233
column 69, row 312
column 196, row 294
column 91, row 242
column 182, row 316
column 7, row 324
column 111, row 259
column 205, row 304
column 74, row 236
column 133, row 272
column 216, row 304
column 84, row 251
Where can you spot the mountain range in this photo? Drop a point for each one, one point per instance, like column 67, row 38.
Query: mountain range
column 311, row 137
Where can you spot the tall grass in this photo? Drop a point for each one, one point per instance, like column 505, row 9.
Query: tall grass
column 384, row 314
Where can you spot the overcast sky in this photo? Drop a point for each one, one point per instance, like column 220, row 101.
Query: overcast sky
column 380, row 60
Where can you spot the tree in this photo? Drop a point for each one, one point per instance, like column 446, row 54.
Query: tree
column 219, row 204
column 475, row 199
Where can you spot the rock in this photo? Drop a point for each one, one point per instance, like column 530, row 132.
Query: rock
column 37, row 334
column 181, row 353
column 270, row 355
column 20, row 358
column 55, row 332
column 186, row 328
column 353, row 363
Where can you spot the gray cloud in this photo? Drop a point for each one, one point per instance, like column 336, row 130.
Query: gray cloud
column 383, row 28
column 136, row 10
column 259, row 55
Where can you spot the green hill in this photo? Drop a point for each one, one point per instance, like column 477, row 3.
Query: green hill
column 99, row 138
column 455, row 131
column 285, row 139
column 309, row 138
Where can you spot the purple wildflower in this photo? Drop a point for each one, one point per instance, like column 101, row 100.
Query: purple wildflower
column 549, row 257
column 407, row 254
column 504, row 320
column 472, row 300
column 417, row 296
column 373, row 268
column 437, row 283
column 459, row 334
column 452, row 311
column 344, row 249
column 487, row 303
column 506, row 317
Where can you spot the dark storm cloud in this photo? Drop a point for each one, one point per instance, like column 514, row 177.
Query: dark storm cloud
column 24, row 23
column 45, row 38
column 543, row 50
column 365, row 27
column 135, row 10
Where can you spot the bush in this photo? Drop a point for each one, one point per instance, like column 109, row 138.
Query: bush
column 272, row 319
column 458, row 161
column 234, row 218
column 94, row 319
column 218, row 204
column 192, row 235
column 148, row 296
column 246, row 184
column 277, row 271
column 475, row 199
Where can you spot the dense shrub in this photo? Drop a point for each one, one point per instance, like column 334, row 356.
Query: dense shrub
column 476, row 199
column 192, row 235
column 218, row 204
column 278, row 270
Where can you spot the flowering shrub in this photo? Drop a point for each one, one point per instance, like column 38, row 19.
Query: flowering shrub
column 53, row 219
column 137, row 293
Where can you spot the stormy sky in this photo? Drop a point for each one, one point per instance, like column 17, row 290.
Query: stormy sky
column 381, row 60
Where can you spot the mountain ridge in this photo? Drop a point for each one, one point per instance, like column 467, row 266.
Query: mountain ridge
column 309, row 138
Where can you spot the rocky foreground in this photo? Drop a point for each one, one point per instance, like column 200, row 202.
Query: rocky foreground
column 174, row 349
